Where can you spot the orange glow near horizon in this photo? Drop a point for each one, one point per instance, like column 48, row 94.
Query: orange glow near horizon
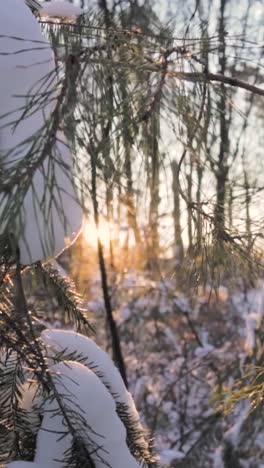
column 104, row 232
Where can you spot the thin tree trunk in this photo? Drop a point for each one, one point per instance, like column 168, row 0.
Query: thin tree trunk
column 230, row 207
column 179, row 253
column 189, row 209
column 198, row 201
column 116, row 347
column 154, row 187
column 127, row 142
column 108, row 179
column 222, row 167
column 107, row 107
column 248, row 219
column 130, row 202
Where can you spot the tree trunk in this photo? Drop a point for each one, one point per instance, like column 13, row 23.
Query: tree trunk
column 248, row 220
column 230, row 207
column 130, row 202
column 199, row 226
column 127, row 139
column 189, row 208
column 154, row 186
column 116, row 347
column 222, row 167
column 179, row 252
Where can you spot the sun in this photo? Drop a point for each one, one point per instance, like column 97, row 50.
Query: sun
column 104, row 232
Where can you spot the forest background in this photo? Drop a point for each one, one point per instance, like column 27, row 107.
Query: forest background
column 164, row 114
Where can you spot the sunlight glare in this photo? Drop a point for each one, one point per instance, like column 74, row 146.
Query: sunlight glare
column 91, row 233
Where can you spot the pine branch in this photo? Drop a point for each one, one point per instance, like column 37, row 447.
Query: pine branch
column 197, row 77
column 137, row 438
column 66, row 295
column 32, row 164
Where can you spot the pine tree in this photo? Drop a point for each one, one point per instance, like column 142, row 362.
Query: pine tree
column 63, row 402
column 71, row 130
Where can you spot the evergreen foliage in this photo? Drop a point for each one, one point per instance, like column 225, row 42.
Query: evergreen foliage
column 113, row 89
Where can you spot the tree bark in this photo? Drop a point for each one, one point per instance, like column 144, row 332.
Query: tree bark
column 222, row 167
column 154, row 186
column 116, row 347
column 179, row 253
column 189, row 208
column 199, row 226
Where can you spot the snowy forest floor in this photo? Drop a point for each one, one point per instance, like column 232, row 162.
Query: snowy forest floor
column 183, row 354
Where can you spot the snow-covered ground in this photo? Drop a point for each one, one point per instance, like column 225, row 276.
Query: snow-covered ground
column 180, row 357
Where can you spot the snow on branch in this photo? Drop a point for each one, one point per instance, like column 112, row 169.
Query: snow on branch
column 101, row 364
column 38, row 201
column 80, row 420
